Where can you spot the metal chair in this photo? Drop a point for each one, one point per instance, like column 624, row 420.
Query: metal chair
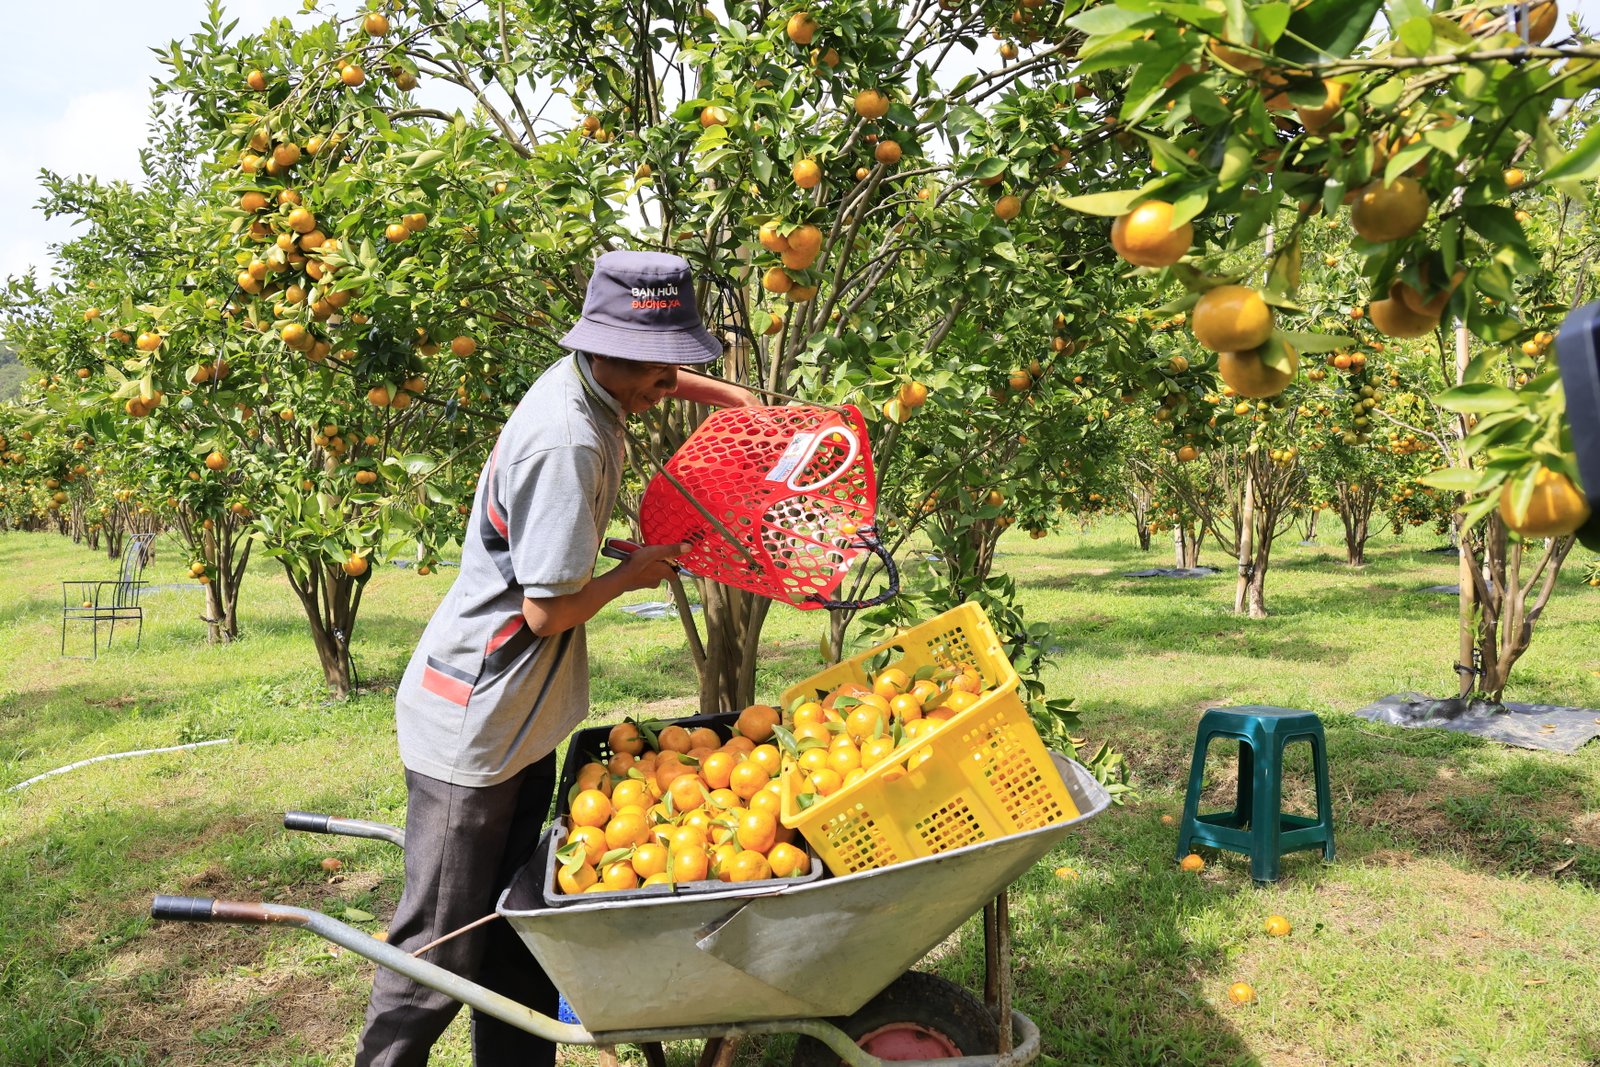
column 119, row 604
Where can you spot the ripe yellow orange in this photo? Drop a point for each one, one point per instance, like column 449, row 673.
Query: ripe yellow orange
column 691, row 864
column 813, row 759
column 913, row 394
column 1146, row 237
column 825, row 782
column 649, row 859
column 1192, row 862
column 1394, row 318
column 1389, row 212
column 748, row 866
column 576, row 880
column 801, row 293
column 704, row 737
column 717, row 769
column 865, row 722
column 1557, row 507
column 1315, row 119
column 787, row 861
column 296, row 336
column 593, row 840
column 748, row 779
column 767, row 757
column 415, row 221
column 807, row 174
column 148, row 342
column 1248, row 376
column 715, row 115
column 375, row 24
column 256, row 80
column 217, row 460
column 756, row 722
column 252, row 202
column 906, row 707
column 590, row 808
column 805, row 239
column 627, row 828
column 1231, row 318
column 352, row 75
column 463, row 346
column 619, row 876
column 769, row 238
column 888, row 153
column 809, row 712
column 1008, row 207
column 890, row 682
column 630, row 792
column 871, row 104
column 688, row 792
column 844, row 758
column 776, row 280
column 757, row 830
column 801, row 27
column 1241, row 993
column 1278, row 926
column 395, row 232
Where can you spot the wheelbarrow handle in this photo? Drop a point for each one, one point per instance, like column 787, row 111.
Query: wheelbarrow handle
column 313, row 823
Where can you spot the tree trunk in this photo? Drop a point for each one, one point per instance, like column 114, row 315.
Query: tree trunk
column 1356, row 502
column 725, row 658
column 331, row 600
column 1247, row 525
column 1139, row 498
column 1256, row 593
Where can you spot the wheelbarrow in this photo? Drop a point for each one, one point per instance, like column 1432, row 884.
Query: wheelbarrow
column 826, row 960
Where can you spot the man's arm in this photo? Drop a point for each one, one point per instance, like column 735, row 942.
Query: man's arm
column 698, row 389
column 645, row 568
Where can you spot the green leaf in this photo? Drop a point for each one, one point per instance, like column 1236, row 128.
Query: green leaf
column 1107, row 19
column 1455, row 479
column 1328, row 29
column 1190, row 205
column 1109, row 204
column 1477, row 397
column 1496, row 222
column 356, row 915
column 1311, row 343
column 1449, row 139
column 1416, row 34
column 1582, row 163
column 1270, row 20
column 1275, row 354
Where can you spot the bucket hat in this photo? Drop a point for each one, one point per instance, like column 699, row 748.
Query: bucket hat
column 641, row 306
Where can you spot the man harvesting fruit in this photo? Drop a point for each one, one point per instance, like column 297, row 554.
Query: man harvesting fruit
column 500, row 676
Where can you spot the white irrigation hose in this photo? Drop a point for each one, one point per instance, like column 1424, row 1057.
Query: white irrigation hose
column 114, row 755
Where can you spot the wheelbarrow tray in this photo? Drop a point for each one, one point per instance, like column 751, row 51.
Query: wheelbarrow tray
column 817, row 949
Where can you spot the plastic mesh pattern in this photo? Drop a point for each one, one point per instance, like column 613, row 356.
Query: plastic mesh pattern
column 859, row 842
column 950, row 826
column 783, row 480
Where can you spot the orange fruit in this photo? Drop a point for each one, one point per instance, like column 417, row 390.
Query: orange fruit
column 815, row 731
column 593, row 840
column 648, row 859
column 630, row 791
column 1248, row 376
column 805, row 240
column 1192, row 862
column 619, row 875
column 813, row 759
column 620, row 763
column 1315, row 119
column 888, row 153
column 905, row 707
column 593, row 776
column 807, row 175
column 1557, row 507
column 1233, row 57
column 871, row 104
column 687, row 791
column 844, row 759
column 776, row 280
column 770, row 239
column 1389, row 212
column 687, row 837
column 739, row 746
column 673, row 739
column 577, row 880
column 625, row 737
column 627, row 828
column 767, row 801
column 890, row 682
column 1398, row 317
column 959, row 700
column 1146, row 237
column 591, row 808
column 826, row 782
column 757, row 830
column 1278, row 926
column 801, row 27
column 1231, row 318
column 748, row 866
column 756, row 722
column 1241, row 993
column 747, row 779
column 787, row 861
column 717, row 769
column 865, row 722
column 809, row 712
column 724, row 799
column 1008, row 207
column 704, row 737
column 690, row 864
column 767, row 757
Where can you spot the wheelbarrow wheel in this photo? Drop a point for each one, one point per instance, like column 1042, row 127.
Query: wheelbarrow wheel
column 919, row 1017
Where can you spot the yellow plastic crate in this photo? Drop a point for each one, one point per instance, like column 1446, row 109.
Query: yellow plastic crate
column 986, row 773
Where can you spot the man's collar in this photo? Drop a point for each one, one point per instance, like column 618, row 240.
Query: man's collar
column 593, row 387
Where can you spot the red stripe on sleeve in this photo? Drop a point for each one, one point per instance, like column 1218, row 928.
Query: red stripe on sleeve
column 495, row 518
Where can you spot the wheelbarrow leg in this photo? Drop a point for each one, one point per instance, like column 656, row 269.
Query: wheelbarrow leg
column 997, row 965
column 654, row 1054
column 718, row 1052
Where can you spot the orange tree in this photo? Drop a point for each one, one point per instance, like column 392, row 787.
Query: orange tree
column 1264, row 118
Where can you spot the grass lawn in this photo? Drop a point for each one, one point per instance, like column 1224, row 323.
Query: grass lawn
column 1461, row 923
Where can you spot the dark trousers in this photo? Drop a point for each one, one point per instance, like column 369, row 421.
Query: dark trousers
column 463, row 845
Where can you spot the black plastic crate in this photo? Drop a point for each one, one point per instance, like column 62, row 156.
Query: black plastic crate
column 590, row 745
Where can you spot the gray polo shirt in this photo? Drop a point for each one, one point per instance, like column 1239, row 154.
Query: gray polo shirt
column 483, row 697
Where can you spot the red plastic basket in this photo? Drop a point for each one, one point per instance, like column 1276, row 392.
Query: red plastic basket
column 793, row 485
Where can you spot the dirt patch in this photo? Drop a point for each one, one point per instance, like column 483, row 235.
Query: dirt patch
column 204, row 995
column 123, row 701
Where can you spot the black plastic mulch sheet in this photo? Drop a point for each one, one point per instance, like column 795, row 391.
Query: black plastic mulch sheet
column 1541, row 726
column 1172, row 572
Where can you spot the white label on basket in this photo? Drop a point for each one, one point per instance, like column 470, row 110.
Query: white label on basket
column 791, row 457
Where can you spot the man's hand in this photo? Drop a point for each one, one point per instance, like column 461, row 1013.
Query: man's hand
column 647, row 567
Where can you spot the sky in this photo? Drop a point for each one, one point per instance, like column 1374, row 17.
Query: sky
column 76, row 91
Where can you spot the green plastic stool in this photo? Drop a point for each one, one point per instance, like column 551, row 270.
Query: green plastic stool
column 1256, row 825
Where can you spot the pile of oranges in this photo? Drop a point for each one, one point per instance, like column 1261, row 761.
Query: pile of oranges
column 680, row 805
column 675, row 804
column 857, row 728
